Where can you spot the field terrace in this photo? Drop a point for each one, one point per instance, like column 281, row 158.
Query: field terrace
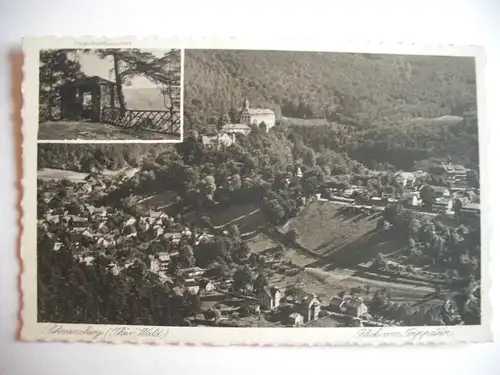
column 335, row 250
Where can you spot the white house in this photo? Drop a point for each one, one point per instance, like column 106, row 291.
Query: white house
column 236, row 128
column 309, row 307
column 404, row 178
column 192, row 286
column 256, row 116
column 269, row 298
column 295, row 319
column 217, row 140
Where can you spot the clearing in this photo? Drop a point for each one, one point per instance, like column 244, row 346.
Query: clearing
column 80, row 130
column 325, row 228
column 261, row 243
column 333, row 244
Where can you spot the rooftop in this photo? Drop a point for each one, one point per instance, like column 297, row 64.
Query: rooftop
column 232, row 127
column 89, row 80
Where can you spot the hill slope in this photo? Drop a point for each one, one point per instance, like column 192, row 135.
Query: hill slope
column 358, row 88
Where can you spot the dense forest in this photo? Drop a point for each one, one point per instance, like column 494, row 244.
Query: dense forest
column 362, row 89
column 379, row 109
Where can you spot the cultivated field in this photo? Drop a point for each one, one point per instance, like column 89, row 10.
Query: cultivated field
column 333, row 244
column 326, row 227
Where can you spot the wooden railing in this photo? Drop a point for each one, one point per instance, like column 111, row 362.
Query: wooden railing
column 149, row 120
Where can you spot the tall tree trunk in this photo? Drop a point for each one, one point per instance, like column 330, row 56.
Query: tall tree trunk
column 119, row 84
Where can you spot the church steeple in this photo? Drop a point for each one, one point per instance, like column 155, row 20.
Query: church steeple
column 246, row 103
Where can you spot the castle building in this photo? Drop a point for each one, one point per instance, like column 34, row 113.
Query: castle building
column 256, row 116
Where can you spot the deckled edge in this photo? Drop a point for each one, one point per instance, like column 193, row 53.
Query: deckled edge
column 486, row 258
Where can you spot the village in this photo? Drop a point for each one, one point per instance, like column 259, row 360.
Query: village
column 75, row 215
column 222, row 299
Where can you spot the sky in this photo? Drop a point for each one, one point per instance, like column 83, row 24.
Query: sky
column 92, row 65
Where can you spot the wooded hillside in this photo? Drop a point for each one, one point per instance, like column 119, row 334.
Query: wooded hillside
column 360, row 89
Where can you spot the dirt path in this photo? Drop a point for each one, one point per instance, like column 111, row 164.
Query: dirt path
column 237, row 219
column 330, row 282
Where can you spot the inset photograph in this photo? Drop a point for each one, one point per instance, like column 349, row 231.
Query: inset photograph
column 110, row 94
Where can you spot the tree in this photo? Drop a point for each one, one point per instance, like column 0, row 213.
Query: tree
column 381, row 224
column 164, row 71
column 235, row 182
column 260, row 282
column 56, row 69
column 243, row 250
column 390, row 212
column 116, row 55
column 457, row 207
column 292, row 236
column 208, row 186
column 186, row 256
column 234, row 234
column 223, row 120
column 242, row 277
column 427, row 195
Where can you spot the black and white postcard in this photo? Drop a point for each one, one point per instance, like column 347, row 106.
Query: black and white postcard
column 319, row 195
column 110, row 94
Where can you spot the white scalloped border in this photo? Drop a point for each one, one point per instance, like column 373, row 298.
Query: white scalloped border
column 30, row 330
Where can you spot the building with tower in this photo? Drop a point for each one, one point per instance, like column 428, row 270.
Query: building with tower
column 256, row 116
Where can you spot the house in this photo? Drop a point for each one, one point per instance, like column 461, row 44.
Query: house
column 130, row 231
column 256, row 116
column 404, row 178
column 85, row 188
column 438, row 191
column 154, row 264
column 207, row 286
column 269, row 298
column 217, row 140
column 192, row 287
column 157, row 215
column 158, row 230
column 299, row 173
column 177, row 292
column 419, row 174
column 100, row 211
column 309, row 307
column 472, row 208
column 236, row 128
column 454, row 172
column 414, row 201
column 295, row 319
column 115, row 270
column 78, row 221
column 87, row 233
column 130, row 221
column 191, row 272
column 204, row 238
column 101, row 241
column 444, row 204
column 163, row 261
column 351, row 306
column 174, row 237
column 87, row 259
column 252, row 306
column 186, row 232
column 52, row 218
column 441, row 191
